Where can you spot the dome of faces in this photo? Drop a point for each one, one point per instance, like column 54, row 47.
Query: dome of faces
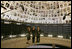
column 43, row 12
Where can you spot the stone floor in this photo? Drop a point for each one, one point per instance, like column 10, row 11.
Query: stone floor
column 21, row 42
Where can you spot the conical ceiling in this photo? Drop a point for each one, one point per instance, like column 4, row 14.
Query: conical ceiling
column 47, row 12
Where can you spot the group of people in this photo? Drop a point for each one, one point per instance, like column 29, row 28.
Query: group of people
column 35, row 33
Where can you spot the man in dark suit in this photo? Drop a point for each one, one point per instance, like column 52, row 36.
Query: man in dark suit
column 33, row 34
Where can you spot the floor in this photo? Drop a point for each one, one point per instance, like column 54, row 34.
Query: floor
column 21, row 42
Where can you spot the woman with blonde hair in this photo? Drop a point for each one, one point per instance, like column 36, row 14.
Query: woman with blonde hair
column 28, row 34
column 38, row 35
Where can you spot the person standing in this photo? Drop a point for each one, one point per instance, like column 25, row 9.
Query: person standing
column 28, row 34
column 38, row 35
column 33, row 34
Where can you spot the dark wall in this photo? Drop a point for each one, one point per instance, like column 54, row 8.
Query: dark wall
column 7, row 29
column 55, row 29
